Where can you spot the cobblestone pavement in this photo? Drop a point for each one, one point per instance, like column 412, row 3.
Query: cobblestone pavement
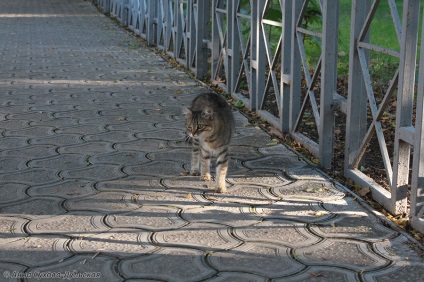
column 92, row 163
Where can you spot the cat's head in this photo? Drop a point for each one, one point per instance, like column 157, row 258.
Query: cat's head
column 199, row 123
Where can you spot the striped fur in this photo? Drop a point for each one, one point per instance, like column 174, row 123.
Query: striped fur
column 210, row 125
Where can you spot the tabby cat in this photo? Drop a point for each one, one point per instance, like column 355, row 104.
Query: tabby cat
column 210, row 125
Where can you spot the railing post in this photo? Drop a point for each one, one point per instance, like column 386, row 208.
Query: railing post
column 328, row 80
column 203, row 17
column 417, row 182
column 150, row 32
column 125, row 13
column 107, row 6
column 214, row 41
column 405, row 100
column 177, row 29
column 356, row 116
column 234, row 47
column 295, row 68
column 191, row 33
column 170, row 23
column 160, row 17
column 258, row 54
column 285, row 75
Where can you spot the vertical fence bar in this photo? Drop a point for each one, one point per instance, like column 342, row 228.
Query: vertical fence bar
column 356, row 120
column 234, row 44
column 417, row 182
column 159, row 21
column 253, row 54
column 328, row 81
column 286, row 76
column 214, row 41
column 243, row 47
column 150, row 31
column 177, row 30
column 167, row 31
column 125, row 13
column 405, row 101
column 203, row 16
column 258, row 55
column 191, row 34
column 295, row 68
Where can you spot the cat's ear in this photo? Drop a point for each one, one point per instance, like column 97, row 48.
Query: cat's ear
column 208, row 113
column 186, row 111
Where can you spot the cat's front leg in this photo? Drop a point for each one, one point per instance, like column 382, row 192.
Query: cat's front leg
column 195, row 158
column 221, row 172
column 205, row 168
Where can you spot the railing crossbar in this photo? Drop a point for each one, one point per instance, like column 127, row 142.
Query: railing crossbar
column 231, row 42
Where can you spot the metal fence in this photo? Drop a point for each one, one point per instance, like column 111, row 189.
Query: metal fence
column 261, row 59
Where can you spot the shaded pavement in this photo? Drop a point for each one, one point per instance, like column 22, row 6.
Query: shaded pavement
column 92, row 173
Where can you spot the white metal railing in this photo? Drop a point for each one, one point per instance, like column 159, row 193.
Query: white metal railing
column 229, row 41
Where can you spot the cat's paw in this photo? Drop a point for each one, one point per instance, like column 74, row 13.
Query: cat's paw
column 206, row 177
column 194, row 172
column 221, row 189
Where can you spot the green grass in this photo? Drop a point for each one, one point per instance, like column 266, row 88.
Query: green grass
column 383, row 34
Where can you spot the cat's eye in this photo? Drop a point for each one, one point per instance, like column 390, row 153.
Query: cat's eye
column 188, row 126
column 200, row 126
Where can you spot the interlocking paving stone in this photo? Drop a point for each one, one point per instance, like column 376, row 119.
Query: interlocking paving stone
column 234, row 215
column 75, row 224
column 34, row 207
column 11, row 192
column 276, row 161
column 285, row 232
column 121, row 243
column 297, row 211
column 121, row 158
column 338, row 252
column 309, row 190
column 319, row 273
column 10, row 268
column 33, row 131
column 156, row 168
column 244, row 194
column 13, row 142
column 113, row 137
column 261, row 177
column 100, row 268
column 133, row 127
column 93, row 173
column 201, row 236
column 32, row 152
column 64, row 189
column 146, row 145
column 132, row 184
column 89, row 148
column 149, row 218
column 32, row 176
column 68, row 161
column 170, row 264
column 237, row 277
column 11, row 229
column 270, row 261
column 60, row 140
column 103, row 201
column 35, row 250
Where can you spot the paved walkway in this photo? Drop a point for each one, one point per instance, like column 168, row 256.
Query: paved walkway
column 92, row 163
